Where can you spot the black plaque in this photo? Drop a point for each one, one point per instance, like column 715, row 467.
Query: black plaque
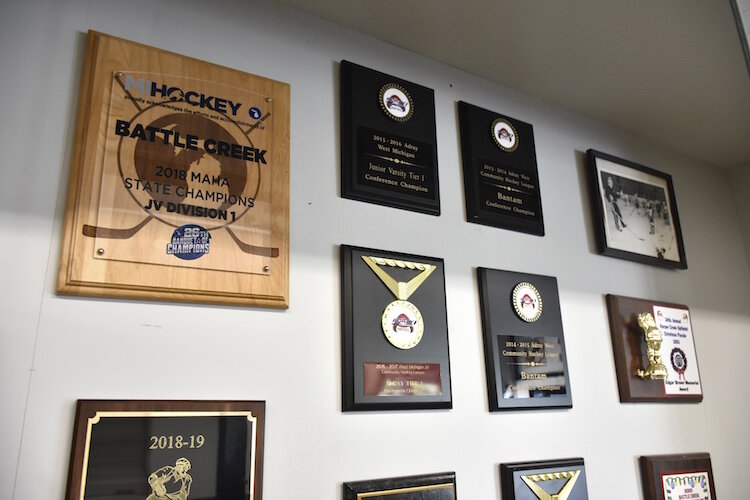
column 561, row 479
column 388, row 141
column 501, row 181
column 394, row 355
column 440, row 486
column 523, row 341
column 151, row 450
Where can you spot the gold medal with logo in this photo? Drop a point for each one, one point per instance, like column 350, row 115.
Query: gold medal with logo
column 527, row 302
column 402, row 322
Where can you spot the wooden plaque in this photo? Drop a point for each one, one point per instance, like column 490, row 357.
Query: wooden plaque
column 677, row 351
column 179, row 185
column 675, row 477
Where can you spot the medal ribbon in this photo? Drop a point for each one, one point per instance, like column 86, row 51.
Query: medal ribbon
column 563, row 494
column 402, row 290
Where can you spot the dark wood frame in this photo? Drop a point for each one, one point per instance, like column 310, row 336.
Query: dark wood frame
column 387, row 486
column 654, row 466
column 86, row 409
column 626, row 337
column 349, row 337
column 600, row 218
column 507, row 471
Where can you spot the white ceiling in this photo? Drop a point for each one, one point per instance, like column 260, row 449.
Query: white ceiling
column 671, row 71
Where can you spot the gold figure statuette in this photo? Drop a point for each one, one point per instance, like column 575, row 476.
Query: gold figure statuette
column 563, row 494
column 656, row 369
column 171, row 478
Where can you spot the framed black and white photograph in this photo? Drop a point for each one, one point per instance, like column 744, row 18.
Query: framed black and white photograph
column 635, row 212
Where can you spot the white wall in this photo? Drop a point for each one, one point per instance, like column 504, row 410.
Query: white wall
column 739, row 179
column 58, row 349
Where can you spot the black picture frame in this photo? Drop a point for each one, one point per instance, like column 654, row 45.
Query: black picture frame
column 554, row 474
column 377, row 375
column 440, row 486
column 387, row 159
column 689, row 470
column 540, row 379
column 635, row 212
column 135, row 448
column 501, row 177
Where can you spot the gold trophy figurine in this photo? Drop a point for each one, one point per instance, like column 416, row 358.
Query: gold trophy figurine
column 656, row 369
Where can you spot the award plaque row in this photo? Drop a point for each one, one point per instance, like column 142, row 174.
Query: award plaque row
column 169, row 450
column 180, row 191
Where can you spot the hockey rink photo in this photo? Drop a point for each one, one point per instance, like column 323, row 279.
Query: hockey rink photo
column 637, row 214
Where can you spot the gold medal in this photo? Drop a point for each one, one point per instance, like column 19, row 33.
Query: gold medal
column 402, row 322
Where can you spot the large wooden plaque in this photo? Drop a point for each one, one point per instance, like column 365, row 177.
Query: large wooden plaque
column 179, row 186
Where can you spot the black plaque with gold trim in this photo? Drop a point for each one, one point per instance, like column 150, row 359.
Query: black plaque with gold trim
column 441, row 486
column 524, row 347
column 388, row 141
column 394, row 331
column 154, row 450
column 563, row 479
column 501, row 180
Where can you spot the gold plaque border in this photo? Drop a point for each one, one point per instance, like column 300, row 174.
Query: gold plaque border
column 161, row 414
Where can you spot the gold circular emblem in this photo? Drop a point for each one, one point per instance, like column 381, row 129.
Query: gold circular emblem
column 396, row 102
column 527, row 302
column 504, row 134
column 402, row 324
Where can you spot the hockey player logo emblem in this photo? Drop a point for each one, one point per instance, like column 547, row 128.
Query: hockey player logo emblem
column 527, row 302
column 396, row 102
column 504, row 134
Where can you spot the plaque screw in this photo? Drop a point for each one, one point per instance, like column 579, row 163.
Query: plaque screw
column 266, row 269
column 118, row 74
column 99, row 251
column 268, row 99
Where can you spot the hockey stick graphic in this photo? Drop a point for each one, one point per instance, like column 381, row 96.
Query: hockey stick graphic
column 252, row 249
column 114, row 233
